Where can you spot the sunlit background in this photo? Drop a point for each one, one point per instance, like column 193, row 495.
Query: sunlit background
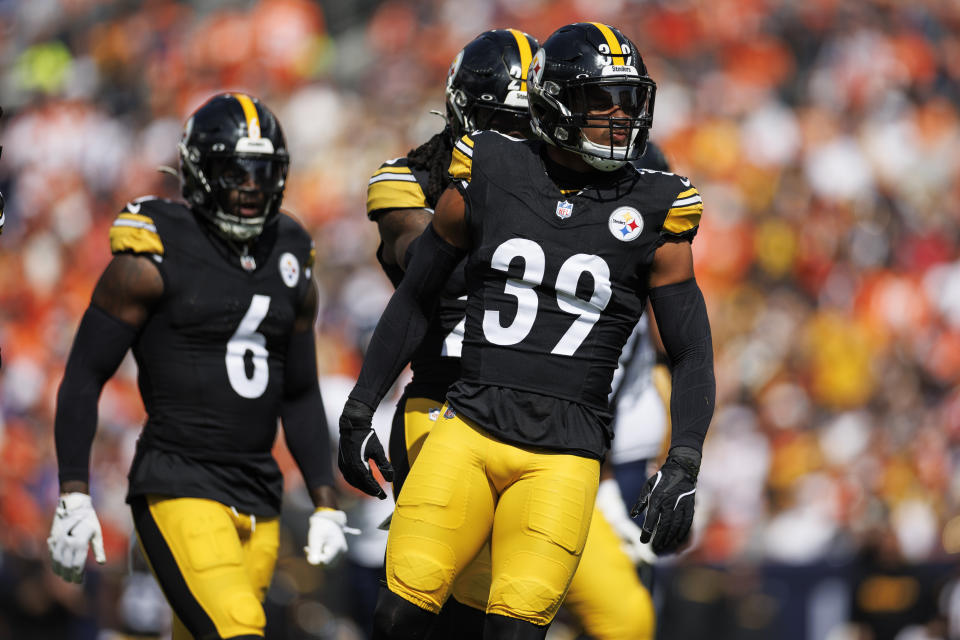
column 825, row 138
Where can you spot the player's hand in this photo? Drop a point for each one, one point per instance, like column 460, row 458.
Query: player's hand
column 611, row 505
column 358, row 444
column 668, row 498
column 325, row 538
column 75, row 528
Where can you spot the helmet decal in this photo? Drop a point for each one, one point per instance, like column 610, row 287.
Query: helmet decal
column 250, row 113
column 612, row 47
column 525, row 54
column 454, row 68
column 535, row 73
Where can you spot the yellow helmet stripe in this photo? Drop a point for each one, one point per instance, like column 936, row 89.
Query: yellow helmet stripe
column 525, row 56
column 250, row 111
column 611, row 39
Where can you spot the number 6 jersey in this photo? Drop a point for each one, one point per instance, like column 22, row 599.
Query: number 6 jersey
column 211, row 356
column 557, row 281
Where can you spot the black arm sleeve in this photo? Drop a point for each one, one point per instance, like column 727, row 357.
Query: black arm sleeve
column 685, row 330
column 304, row 420
column 404, row 322
column 97, row 351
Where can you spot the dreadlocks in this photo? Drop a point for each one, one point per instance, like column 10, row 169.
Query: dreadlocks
column 434, row 156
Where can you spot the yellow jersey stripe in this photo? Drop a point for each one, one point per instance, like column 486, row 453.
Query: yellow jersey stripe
column 138, row 217
column 138, row 239
column 615, row 51
column 389, row 169
column 250, row 112
column 681, row 219
column 461, row 165
column 394, row 194
column 525, row 56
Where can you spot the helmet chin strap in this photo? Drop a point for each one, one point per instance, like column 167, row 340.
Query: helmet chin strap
column 603, row 164
column 597, row 162
column 235, row 229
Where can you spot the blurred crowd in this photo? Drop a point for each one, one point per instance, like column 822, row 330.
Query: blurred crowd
column 824, row 136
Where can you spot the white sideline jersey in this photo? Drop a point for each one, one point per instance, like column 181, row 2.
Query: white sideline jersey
column 640, row 418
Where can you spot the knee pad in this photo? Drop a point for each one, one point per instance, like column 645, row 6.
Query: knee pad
column 399, row 619
column 499, row 627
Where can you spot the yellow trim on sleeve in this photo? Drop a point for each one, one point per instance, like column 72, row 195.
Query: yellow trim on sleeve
column 461, row 163
column 395, row 194
column 392, row 169
column 136, row 240
column 681, row 219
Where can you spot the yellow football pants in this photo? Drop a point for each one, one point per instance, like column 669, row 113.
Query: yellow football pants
column 605, row 595
column 535, row 506
column 213, row 564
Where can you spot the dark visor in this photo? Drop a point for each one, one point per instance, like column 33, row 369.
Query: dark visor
column 633, row 99
column 236, row 172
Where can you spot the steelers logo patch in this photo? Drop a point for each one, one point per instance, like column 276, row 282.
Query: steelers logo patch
column 535, row 70
column 625, row 224
column 289, row 269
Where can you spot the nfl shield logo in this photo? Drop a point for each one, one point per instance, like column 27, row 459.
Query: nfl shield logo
column 564, row 209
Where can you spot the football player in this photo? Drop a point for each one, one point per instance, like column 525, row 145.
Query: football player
column 486, row 90
column 565, row 241
column 216, row 299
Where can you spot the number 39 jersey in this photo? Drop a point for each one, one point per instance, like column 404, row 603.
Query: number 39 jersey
column 211, row 356
column 557, row 282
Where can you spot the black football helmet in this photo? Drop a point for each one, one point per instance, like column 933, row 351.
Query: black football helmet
column 487, row 83
column 589, row 75
column 233, row 143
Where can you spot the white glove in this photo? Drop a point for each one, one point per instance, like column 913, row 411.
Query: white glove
column 610, row 502
column 75, row 527
column 326, row 539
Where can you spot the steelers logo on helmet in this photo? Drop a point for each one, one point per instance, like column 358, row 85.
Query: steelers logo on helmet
column 233, row 165
column 454, row 68
column 487, row 84
column 625, row 224
column 535, row 72
column 590, row 94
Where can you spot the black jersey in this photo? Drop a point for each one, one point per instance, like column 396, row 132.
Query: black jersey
column 211, row 355
column 435, row 364
column 556, row 284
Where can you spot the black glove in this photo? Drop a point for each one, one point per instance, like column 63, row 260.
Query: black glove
column 668, row 498
column 358, row 443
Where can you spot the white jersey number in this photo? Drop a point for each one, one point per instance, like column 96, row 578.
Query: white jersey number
column 523, row 289
column 246, row 339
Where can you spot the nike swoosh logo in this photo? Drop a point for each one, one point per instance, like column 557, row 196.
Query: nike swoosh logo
column 685, row 182
column 70, row 530
column 133, row 207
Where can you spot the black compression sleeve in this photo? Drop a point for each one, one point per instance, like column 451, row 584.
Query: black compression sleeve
column 685, row 330
column 404, row 322
column 457, row 282
column 97, row 351
column 304, row 420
